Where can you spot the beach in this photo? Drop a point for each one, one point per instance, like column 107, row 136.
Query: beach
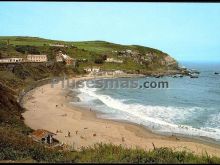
column 49, row 108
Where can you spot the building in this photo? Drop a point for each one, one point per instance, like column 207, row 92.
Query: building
column 11, row 60
column 87, row 69
column 58, row 45
column 113, row 60
column 60, row 57
column 30, row 58
column 118, row 72
column 82, row 60
column 95, row 69
column 4, row 60
column 128, row 51
column 70, row 61
column 36, row 58
column 92, row 69
column 43, row 136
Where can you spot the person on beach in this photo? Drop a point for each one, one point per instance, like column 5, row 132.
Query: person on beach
column 90, row 109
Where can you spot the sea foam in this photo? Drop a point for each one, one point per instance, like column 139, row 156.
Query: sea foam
column 158, row 118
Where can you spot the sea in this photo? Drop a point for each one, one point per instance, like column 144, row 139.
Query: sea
column 188, row 107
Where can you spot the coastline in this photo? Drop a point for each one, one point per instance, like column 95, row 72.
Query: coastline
column 86, row 129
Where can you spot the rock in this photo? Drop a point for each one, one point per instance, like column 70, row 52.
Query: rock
column 176, row 76
column 193, row 76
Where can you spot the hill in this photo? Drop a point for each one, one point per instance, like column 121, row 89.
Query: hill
column 136, row 59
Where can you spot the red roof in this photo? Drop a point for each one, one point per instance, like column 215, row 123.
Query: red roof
column 41, row 133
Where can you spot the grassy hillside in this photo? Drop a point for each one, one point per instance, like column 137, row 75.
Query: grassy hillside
column 143, row 58
column 94, row 46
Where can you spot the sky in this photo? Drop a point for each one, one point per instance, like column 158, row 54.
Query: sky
column 186, row 31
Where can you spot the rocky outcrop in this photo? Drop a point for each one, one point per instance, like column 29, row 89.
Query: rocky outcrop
column 9, row 107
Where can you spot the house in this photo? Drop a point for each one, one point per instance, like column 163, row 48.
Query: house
column 4, row 60
column 82, row 60
column 43, row 136
column 70, row 61
column 113, row 60
column 36, row 58
column 92, row 69
column 117, row 72
column 95, row 69
column 87, row 69
column 128, row 51
column 60, row 57
column 30, row 58
column 58, row 45
column 11, row 60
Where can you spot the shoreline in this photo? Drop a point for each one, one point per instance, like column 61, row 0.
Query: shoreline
column 87, row 129
column 203, row 140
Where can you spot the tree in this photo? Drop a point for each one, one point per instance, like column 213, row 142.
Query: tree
column 99, row 61
column 104, row 57
column 27, row 49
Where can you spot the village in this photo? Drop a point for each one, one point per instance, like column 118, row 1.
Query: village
column 69, row 61
column 38, row 58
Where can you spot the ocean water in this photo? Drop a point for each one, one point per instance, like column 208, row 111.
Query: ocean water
column 188, row 107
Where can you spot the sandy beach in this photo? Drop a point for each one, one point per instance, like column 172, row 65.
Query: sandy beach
column 49, row 108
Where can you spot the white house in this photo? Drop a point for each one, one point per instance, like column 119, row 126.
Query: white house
column 128, row 51
column 11, row 60
column 87, row 69
column 5, row 60
column 92, row 69
column 95, row 69
column 113, row 60
column 36, row 58
column 58, row 45
column 118, row 72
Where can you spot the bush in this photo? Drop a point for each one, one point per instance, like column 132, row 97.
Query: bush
column 99, row 61
column 27, row 49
